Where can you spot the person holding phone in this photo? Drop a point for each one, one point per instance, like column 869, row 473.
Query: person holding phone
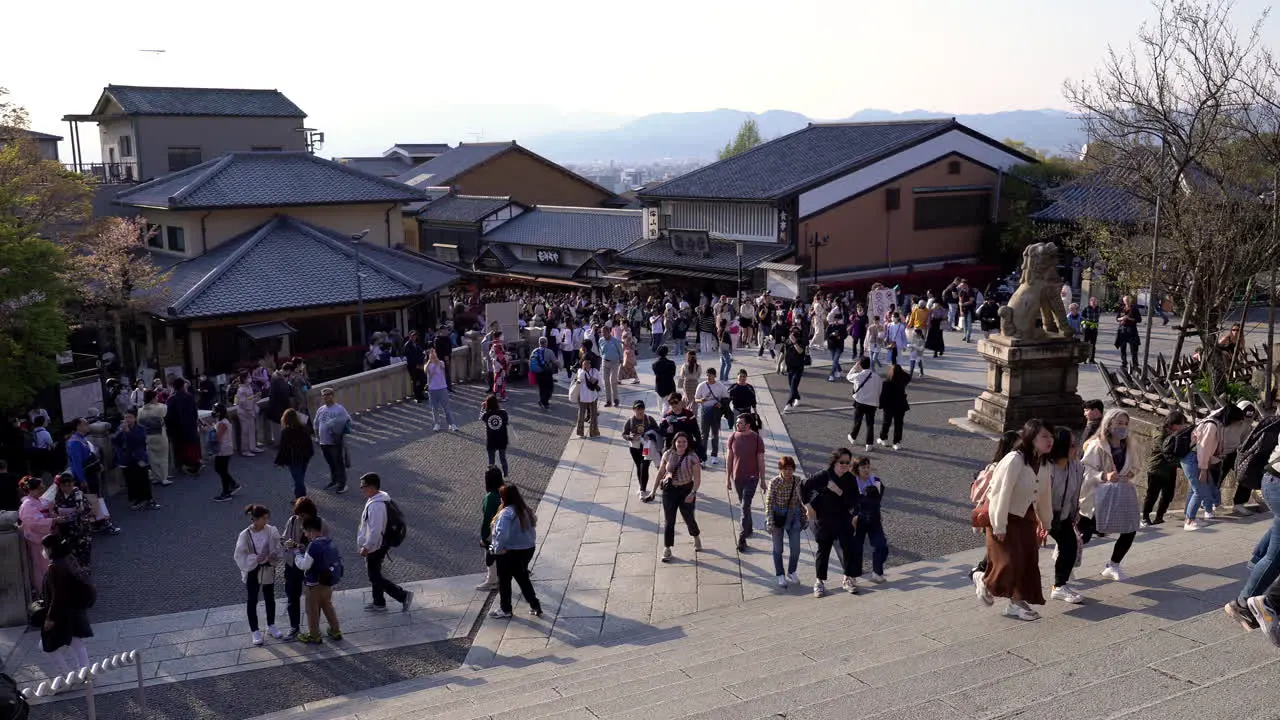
column 1107, row 459
column 641, row 433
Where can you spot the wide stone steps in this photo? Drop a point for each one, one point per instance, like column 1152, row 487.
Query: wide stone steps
column 920, row 647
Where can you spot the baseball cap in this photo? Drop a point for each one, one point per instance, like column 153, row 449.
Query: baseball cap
column 637, row 405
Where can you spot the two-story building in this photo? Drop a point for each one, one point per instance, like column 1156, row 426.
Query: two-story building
column 848, row 201
column 147, row 132
column 279, row 253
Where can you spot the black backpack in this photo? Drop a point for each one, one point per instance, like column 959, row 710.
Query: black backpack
column 396, row 529
column 1255, row 451
column 1178, row 445
column 12, row 705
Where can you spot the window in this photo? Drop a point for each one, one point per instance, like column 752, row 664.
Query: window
column 176, row 238
column 953, row 167
column 155, row 236
column 181, row 158
column 947, row 211
column 266, row 148
column 126, row 146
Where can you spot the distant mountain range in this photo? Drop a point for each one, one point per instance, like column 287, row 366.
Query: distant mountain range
column 698, row 135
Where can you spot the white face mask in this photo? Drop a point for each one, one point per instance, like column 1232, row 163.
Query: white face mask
column 1120, row 433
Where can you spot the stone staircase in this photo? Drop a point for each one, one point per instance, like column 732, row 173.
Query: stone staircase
column 920, row 647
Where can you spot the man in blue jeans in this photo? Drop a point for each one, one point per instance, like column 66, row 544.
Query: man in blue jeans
column 332, row 423
column 744, row 463
column 1248, row 608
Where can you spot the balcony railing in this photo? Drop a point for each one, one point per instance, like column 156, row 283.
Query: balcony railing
column 125, row 171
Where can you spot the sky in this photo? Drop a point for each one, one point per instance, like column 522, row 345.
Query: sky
column 373, row 73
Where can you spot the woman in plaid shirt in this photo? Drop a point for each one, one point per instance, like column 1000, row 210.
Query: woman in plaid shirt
column 784, row 514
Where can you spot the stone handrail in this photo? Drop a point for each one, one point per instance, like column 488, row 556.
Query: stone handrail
column 367, row 390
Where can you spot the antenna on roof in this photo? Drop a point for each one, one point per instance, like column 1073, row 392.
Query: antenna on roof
column 477, row 136
column 314, row 139
column 157, row 52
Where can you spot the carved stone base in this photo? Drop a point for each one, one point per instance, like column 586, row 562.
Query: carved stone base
column 1025, row 380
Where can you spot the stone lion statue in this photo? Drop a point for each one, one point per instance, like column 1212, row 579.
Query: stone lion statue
column 1039, row 296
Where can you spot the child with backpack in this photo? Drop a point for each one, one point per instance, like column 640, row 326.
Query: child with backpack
column 1162, row 470
column 321, row 567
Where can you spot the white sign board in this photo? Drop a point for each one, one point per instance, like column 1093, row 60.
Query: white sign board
column 879, row 302
column 651, row 231
column 507, row 315
column 81, row 397
column 783, row 284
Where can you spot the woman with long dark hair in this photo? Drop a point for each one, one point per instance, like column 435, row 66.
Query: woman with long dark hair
column 831, row 500
column 689, row 375
column 1003, row 446
column 294, row 542
column 1162, row 471
column 222, row 450
column 514, row 537
column 493, row 480
column 893, row 403
column 679, row 476
column 1020, row 512
column 295, row 450
column 67, row 596
column 1068, row 477
column 795, row 356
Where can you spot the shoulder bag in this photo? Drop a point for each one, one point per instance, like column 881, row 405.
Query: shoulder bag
column 266, row 571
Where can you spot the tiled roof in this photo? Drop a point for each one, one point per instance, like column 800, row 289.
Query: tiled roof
column 137, row 100
column 31, row 134
column 387, row 167
column 1094, row 202
column 418, row 148
column 655, row 254
column 247, row 274
column 463, row 208
column 571, row 228
column 266, row 179
column 442, row 170
column 503, row 253
column 783, row 166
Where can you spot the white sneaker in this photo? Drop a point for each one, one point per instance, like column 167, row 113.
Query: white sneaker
column 273, row 632
column 713, row 460
column 795, row 403
column 869, row 448
column 819, row 588
column 257, row 637
column 896, row 446
column 850, row 585
column 880, row 442
column 786, row 409
column 435, row 428
column 1019, row 611
column 1066, row 595
column 851, row 439
column 1192, row 525
column 792, row 579
column 1208, row 515
column 666, row 554
column 782, row 581
column 980, row 589
column 876, row 578
column 1113, row 572
column 453, row 428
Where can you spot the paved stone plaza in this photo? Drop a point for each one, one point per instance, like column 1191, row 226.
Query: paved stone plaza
column 596, row 572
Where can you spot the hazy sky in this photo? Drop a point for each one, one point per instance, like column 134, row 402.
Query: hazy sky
column 379, row 71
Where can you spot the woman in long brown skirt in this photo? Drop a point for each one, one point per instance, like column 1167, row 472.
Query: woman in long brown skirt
column 1021, row 508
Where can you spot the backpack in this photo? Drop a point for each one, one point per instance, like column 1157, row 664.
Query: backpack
column 396, row 529
column 1178, row 445
column 537, row 361
column 1255, row 451
column 981, row 482
column 13, row 706
column 330, row 566
column 211, row 438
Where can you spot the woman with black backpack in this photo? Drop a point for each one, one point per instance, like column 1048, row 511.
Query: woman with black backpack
column 68, row 595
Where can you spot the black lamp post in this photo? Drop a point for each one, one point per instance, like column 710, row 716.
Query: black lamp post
column 816, row 242
column 355, row 244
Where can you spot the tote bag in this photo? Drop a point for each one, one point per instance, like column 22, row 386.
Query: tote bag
column 1116, row 508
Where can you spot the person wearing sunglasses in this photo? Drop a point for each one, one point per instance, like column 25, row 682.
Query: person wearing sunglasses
column 831, row 500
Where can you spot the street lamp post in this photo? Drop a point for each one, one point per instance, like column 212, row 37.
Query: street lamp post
column 739, row 251
column 355, row 244
column 816, row 242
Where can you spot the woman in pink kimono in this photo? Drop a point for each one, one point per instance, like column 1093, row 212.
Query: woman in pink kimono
column 247, row 409
column 628, row 369
column 37, row 523
column 501, row 365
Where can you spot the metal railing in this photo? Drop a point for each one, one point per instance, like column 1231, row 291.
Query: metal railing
column 125, row 171
column 85, row 676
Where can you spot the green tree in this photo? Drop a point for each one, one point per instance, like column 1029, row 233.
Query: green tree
column 39, row 201
column 748, row 137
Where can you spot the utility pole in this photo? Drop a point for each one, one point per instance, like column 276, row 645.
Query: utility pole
column 1151, row 292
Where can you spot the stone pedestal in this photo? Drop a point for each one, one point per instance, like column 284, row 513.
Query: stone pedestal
column 1030, row 379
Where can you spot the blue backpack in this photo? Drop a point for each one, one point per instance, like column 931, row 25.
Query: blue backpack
column 329, row 565
column 537, row 361
column 211, row 437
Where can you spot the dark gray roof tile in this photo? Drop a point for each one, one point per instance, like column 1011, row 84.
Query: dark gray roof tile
column 387, row 167
column 447, row 167
column 266, row 179
column 462, row 208
column 782, row 166
column 246, row 274
column 572, row 228
column 138, row 100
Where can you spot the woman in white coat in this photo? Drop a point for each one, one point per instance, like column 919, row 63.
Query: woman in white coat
column 1108, row 460
column 257, row 554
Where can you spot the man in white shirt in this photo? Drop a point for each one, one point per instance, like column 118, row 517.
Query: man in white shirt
column 564, row 341
column 896, row 338
column 657, row 324
column 369, row 538
column 709, row 398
